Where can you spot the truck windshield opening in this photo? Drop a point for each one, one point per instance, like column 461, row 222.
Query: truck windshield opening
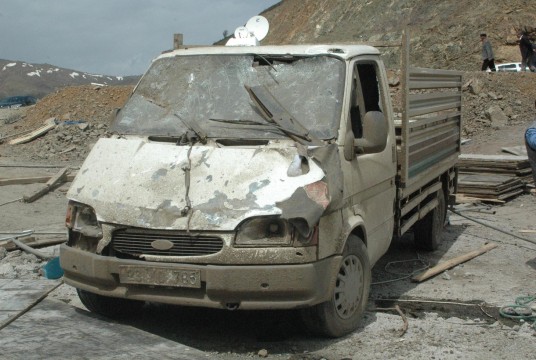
column 204, row 87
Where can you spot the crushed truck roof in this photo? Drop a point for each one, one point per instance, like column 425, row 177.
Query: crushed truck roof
column 344, row 51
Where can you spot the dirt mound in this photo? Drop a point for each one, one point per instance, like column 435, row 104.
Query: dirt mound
column 83, row 114
column 92, row 104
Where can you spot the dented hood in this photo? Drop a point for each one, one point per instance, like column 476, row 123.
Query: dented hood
column 144, row 184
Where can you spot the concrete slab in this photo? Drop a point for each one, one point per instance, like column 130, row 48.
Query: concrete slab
column 18, row 295
column 54, row 330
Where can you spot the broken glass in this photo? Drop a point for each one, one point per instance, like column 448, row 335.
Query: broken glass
column 203, row 87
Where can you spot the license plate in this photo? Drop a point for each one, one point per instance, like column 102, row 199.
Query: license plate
column 144, row 275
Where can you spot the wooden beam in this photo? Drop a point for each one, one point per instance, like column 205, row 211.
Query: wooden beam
column 32, row 180
column 50, row 184
column 33, row 242
column 439, row 268
column 49, row 125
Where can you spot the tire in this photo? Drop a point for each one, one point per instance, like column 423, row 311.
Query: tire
column 342, row 313
column 114, row 308
column 427, row 231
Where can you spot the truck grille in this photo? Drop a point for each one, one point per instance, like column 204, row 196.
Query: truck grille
column 138, row 241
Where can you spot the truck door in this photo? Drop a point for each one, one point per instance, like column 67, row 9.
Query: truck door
column 372, row 175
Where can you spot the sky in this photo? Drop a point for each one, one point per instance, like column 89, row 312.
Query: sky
column 113, row 37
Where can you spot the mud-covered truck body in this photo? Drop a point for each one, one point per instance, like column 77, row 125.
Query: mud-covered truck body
column 263, row 177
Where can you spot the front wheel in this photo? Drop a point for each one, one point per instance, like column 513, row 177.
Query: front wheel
column 342, row 313
column 427, row 231
column 114, row 308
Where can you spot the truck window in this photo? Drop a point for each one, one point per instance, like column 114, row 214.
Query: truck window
column 365, row 95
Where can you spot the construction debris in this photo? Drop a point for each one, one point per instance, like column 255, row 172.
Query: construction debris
column 489, row 187
column 49, row 125
column 54, row 181
column 513, row 165
column 493, row 177
column 439, row 268
column 32, row 180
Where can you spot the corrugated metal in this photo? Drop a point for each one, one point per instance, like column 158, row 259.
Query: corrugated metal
column 431, row 125
column 136, row 242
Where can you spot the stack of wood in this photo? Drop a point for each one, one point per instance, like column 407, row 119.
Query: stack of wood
column 493, row 177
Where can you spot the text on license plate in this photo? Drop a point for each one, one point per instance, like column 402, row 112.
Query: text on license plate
column 131, row 274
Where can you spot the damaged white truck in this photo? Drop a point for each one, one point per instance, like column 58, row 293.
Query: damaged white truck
column 262, row 177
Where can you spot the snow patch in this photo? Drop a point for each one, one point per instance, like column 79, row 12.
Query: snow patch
column 8, row 65
column 35, row 73
column 120, row 78
column 74, row 74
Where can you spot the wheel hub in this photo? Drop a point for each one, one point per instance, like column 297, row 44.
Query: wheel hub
column 349, row 287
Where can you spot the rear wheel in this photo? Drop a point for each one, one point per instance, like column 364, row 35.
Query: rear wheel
column 111, row 307
column 427, row 231
column 342, row 313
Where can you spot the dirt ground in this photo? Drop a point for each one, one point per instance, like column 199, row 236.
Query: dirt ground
column 454, row 315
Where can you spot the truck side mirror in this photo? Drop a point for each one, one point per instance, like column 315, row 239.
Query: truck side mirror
column 374, row 139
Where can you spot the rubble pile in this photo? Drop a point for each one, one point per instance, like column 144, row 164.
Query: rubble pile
column 82, row 113
column 492, row 101
column 89, row 103
column 18, row 264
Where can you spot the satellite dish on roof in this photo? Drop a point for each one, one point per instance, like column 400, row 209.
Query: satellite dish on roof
column 255, row 30
column 258, row 26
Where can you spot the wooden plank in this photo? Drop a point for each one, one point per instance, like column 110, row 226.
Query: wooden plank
column 439, row 268
column 49, row 125
column 32, row 180
column 33, row 242
column 463, row 198
column 51, row 183
column 519, row 150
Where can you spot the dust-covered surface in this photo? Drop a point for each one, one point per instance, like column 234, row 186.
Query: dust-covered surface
column 451, row 316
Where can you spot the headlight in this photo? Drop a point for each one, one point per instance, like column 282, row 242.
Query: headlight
column 81, row 218
column 264, row 231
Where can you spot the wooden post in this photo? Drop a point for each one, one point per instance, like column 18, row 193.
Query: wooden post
column 177, row 41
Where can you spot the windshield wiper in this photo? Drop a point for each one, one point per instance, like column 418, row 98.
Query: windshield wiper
column 265, row 125
column 275, row 113
column 192, row 126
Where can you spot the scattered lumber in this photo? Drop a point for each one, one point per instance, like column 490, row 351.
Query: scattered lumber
column 520, row 150
column 49, row 125
column 439, row 268
column 32, row 242
column 464, row 199
column 54, row 181
column 489, row 187
column 496, row 164
column 31, row 180
column 493, row 177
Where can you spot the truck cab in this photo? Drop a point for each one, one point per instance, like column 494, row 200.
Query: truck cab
column 261, row 177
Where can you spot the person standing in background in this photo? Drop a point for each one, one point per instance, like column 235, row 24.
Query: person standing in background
column 525, row 47
column 488, row 60
column 530, row 143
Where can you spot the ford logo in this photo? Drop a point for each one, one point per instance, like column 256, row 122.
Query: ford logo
column 162, row 244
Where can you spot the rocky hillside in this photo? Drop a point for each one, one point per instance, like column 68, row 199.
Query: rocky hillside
column 20, row 78
column 445, row 33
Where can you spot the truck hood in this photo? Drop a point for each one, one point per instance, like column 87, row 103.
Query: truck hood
column 145, row 184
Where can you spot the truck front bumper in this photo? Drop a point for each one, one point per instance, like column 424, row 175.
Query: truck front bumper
column 246, row 286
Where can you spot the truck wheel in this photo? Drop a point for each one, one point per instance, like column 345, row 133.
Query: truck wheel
column 342, row 313
column 111, row 307
column 427, row 231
